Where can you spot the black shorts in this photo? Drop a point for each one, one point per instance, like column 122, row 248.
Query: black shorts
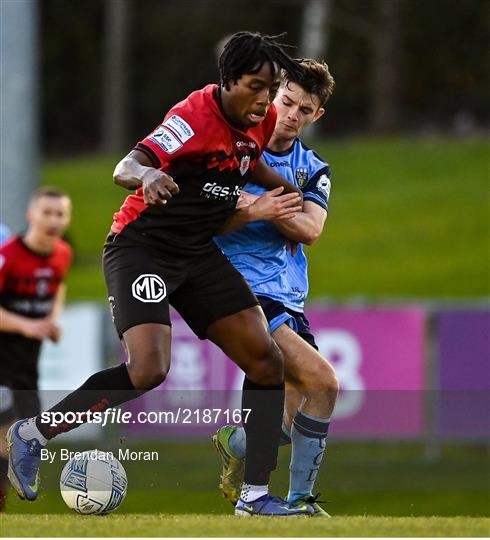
column 277, row 314
column 142, row 282
column 19, row 397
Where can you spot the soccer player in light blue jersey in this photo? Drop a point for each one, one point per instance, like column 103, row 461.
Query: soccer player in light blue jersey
column 257, row 245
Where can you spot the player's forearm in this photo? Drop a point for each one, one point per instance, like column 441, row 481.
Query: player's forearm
column 237, row 220
column 129, row 173
column 59, row 302
column 266, row 177
column 11, row 322
column 301, row 228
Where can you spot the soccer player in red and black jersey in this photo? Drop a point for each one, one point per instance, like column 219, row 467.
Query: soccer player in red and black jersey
column 188, row 174
column 32, row 269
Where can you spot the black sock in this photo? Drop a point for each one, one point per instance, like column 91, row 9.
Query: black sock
column 107, row 388
column 4, row 465
column 263, row 429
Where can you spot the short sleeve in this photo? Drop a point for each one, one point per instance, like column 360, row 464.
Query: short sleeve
column 317, row 190
column 170, row 140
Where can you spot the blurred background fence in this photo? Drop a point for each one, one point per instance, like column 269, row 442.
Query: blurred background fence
column 111, row 69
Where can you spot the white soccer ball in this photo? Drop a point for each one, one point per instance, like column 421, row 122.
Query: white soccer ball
column 93, row 482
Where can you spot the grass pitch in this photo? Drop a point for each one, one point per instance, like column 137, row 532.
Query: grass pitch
column 192, row 525
column 355, row 479
column 372, row 489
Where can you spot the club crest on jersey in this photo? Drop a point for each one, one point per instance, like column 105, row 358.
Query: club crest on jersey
column 149, row 288
column 244, row 164
column 301, row 176
column 42, row 287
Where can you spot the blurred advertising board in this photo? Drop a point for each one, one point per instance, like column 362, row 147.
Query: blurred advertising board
column 378, row 355
column 463, row 350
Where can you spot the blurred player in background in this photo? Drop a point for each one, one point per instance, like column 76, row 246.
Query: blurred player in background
column 5, row 233
column 32, row 294
column 188, row 174
column 279, row 278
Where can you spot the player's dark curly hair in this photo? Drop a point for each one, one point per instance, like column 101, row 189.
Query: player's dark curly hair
column 246, row 52
column 315, row 79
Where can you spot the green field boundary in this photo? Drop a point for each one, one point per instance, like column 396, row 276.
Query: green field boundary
column 192, row 525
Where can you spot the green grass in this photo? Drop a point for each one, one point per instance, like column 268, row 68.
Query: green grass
column 165, row 525
column 408, row 218
column 373, row 489
column 356, row 479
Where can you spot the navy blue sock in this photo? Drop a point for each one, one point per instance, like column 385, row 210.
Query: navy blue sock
column 308, row 437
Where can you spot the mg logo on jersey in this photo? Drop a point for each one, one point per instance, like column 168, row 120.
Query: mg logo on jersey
column 149, row 288
column 244, row 164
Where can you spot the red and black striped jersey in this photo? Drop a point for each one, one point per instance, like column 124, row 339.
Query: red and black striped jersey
column 29, row 281
column 209, row 159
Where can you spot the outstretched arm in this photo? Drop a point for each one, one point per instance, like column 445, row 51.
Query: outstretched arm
column 136, row 171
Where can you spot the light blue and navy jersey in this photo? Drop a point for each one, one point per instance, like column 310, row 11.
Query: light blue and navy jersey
column 258, row 250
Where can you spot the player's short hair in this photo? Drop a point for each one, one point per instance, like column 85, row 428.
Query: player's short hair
column 247, row 52
column 315, row 79
column 47, row 191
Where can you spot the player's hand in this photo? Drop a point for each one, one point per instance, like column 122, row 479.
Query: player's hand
column 56, row 332
column 245, row 199
column 292, row 246
column 299, row 193
column 158, row 187
column 272, row 206
column 38, row 328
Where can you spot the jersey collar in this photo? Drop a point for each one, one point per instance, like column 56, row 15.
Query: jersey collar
column 283, row 152
column 40, row 254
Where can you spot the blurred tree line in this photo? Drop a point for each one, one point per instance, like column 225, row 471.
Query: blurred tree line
column 411, row 65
